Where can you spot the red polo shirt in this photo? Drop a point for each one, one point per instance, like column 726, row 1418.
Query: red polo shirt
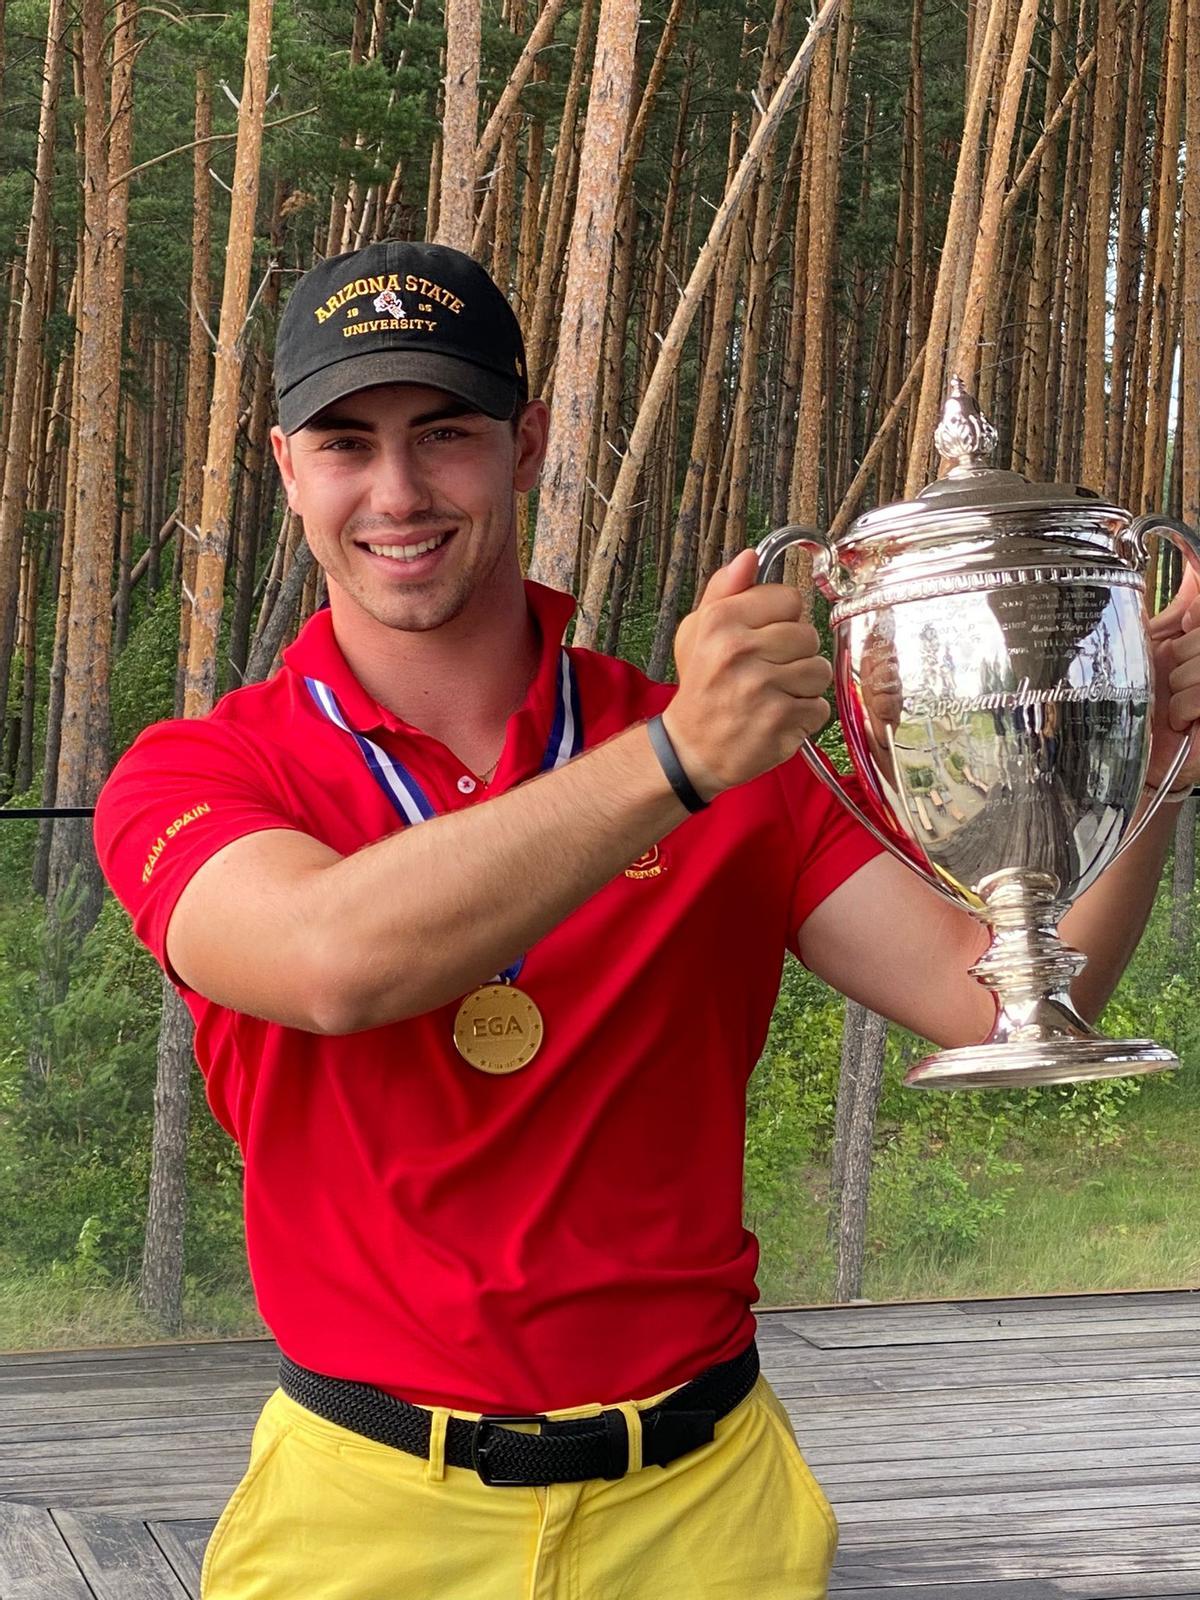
column 567, row 1233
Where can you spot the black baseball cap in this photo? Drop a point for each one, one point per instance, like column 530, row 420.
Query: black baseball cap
column 398, row 312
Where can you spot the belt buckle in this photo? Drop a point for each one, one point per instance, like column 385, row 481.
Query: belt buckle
column 483, row 1441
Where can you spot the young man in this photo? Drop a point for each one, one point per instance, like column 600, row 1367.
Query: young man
column 479, row 976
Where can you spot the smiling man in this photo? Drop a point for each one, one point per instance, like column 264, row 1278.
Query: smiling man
column 480, row 971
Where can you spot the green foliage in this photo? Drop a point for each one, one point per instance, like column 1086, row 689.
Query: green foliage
column 143, row 680
column 79, row 1026
column 934, row 1199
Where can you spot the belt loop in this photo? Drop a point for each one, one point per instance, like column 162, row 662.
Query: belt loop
column 436, row 1469
column 633, row 1428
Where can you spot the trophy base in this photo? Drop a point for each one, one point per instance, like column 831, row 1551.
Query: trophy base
column 1017, row 1065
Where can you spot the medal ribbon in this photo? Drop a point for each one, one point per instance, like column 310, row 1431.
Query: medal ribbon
column 405, row 794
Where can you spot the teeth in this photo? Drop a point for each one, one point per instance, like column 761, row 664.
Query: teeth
column 408, row 552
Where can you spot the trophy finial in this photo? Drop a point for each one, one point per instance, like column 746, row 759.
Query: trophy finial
column 964, row 435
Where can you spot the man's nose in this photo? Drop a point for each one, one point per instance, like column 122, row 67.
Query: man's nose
column 400, row 488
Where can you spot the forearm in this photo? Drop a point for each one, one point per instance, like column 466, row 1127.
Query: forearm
column 1107, row 921
column 417, row 919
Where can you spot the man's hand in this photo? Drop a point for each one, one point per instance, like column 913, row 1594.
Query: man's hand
column 1175, row 646
column 750, row 680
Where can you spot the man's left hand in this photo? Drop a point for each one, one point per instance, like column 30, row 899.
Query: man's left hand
column 1175, row 646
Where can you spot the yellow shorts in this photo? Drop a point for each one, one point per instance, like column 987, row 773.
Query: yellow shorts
column 324, row 1514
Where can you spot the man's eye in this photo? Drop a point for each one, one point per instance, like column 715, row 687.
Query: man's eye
column 343, row 444
column 436, row 434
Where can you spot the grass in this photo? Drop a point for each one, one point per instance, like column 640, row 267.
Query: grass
column 46, row 1312
column 1074, row 1219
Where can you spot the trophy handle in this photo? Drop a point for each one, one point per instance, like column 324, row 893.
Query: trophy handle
column 1187, row 542
column 829, row 577
column 826, row 573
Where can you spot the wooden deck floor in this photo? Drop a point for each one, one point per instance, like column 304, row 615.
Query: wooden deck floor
column 990, row 1450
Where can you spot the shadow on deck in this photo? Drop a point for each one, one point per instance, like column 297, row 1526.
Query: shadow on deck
column 979, row 1450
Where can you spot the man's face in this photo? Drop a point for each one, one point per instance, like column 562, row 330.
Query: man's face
column 408, row 498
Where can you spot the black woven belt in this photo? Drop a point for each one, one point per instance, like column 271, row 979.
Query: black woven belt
column 563, row 1452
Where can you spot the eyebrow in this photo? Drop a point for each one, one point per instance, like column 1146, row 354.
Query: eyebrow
column 334, row 421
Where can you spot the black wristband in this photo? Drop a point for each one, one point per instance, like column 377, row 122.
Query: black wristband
column 660, row 742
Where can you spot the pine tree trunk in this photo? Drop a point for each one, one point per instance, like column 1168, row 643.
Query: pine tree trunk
column 757, row 305
column 1133, row 445
column 213, row 532
column 1187, row 436
column 869, row 1039
column 1129, row 236
column 1162, row 347
column 1104, row 138
column 823, row 160
column 985, row 259
column 958, row 245
column 160, row 1293
column 456, row 206
column 1183, row 888
column 581, row 336
column 83, row 754
column 26, row 359
column 704, row 433
column 160, row 1290
column 195, row 409
column 537, row 344
column 1041, row 292
column 671, row 348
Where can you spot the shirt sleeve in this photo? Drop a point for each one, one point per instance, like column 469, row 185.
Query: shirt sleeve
column 831, row 843
column 184, row 790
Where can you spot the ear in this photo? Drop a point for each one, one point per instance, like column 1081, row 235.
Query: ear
column 533, row 433
column 282, row 450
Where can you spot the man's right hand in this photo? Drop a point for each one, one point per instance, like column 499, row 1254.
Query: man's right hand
column 751, row 682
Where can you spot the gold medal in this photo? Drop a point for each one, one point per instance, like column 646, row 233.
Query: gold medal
column 498, row 1029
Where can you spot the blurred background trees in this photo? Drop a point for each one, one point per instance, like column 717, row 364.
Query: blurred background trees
column 747, row 250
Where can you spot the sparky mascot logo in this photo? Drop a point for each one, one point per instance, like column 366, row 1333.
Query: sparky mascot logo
column 390, row 302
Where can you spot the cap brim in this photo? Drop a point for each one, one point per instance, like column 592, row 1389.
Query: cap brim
column 494, row 394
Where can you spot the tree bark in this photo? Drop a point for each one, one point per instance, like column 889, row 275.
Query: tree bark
column 213, row 532
column 456, row 206
column 581, row 334
column 957, row 242
column 160, row 1293
column 537, row 345
column 985, row 258
column 657, row 390
column 20, row 419
column 1104, row 138
column 1183, row 887
column 1162, row 345
column 83, row 754
column 869, row 1039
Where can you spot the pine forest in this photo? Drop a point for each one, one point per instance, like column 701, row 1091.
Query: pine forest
column 749, row 244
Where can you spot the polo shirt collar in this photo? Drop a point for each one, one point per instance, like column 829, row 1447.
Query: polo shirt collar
column 315, row 653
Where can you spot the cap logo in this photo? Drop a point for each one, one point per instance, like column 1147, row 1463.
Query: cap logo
column 386, row 288
column 390, row 302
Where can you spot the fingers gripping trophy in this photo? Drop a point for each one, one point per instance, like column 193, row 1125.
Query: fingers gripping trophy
column 995, row 687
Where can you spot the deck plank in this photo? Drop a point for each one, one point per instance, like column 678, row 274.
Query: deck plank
column 1037, row 1449
column 35, row 1560
column 184, row 1542
column 119, row 1558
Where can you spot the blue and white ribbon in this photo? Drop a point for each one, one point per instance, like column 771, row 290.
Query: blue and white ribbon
column 406, row 795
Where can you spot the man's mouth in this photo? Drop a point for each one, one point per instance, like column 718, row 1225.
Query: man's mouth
column 410, row 552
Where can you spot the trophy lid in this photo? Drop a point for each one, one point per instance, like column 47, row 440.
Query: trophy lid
column 967, row 439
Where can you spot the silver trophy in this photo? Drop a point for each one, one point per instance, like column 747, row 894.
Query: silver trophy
column 995, row 687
